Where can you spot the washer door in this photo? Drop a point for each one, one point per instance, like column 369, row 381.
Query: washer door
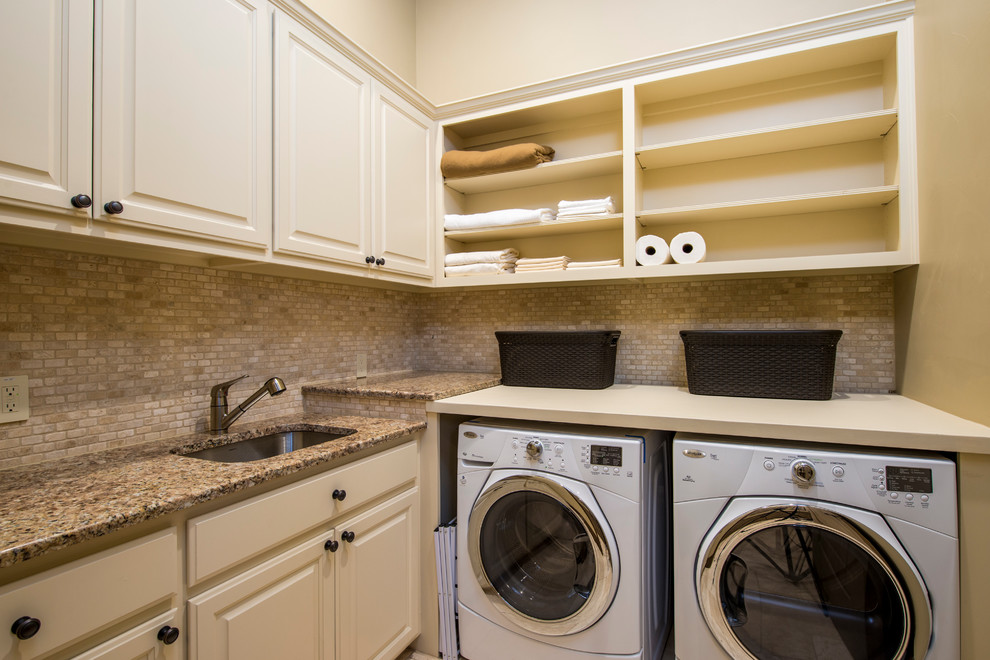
column 541, row 553
column 800, row 579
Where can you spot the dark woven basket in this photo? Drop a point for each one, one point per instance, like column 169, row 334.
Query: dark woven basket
column 583, row 360
column 771, row 364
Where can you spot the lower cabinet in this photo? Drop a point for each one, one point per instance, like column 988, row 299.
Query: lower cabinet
column 351, row 593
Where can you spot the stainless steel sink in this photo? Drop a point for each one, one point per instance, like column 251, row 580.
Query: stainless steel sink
column 266, row 446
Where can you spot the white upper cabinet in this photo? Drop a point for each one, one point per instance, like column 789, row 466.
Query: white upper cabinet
column 46, row 69
column 183, row 122
column 404, row 236
column 322, row 148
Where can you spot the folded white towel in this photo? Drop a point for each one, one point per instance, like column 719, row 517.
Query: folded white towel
column 508, row 255
column 538, row 269
column 606, row 263
column 477, row 269
column 542, row 261
column 569, row 204
column 496, row 218
column 565, row 217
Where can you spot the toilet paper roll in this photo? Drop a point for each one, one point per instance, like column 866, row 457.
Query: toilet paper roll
column 688, row 248
column 652, row 251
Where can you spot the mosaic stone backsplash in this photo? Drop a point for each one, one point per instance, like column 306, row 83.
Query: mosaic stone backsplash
column 122, row 351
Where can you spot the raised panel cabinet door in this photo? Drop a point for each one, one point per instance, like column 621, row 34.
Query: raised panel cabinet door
column 404, row 228
column 322, row 169
column 378, row 580
column 282, row 608
column 46, row 73
column 144, row 642
column 183, row 128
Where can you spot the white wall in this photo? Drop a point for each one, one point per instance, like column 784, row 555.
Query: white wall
column 467, row 48
column 384, row 28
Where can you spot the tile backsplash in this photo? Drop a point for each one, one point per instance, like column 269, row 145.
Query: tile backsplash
column 121, row 351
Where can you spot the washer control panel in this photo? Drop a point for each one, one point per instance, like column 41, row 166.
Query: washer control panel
column 913, row 486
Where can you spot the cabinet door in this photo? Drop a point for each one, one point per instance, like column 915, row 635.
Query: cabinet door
column 404, row 228
column 280, row 609
column 141, row 642
column 46, row 68
column 378, row 580
column 322, row 121
column 183, row 129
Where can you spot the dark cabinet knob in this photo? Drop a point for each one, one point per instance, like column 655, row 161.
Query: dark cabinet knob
column 81, row 201
column 168, row 635
column 347, row 536
column 339, row 495
column 26, row 627
column 113, row 208
column 369, row 260
column 380, row 261
column 331, row 545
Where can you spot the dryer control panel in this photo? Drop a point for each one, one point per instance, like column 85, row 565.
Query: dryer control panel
column 913, row 486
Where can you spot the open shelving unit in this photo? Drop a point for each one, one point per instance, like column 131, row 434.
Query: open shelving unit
column 794, row 158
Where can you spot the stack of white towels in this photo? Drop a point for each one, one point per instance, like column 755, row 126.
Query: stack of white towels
column 605, row 263
column 502, row 218
column 542, row 264
column 585, row 208
column 486, row 262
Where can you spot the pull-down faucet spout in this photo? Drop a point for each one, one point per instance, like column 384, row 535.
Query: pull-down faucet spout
column 220, row 418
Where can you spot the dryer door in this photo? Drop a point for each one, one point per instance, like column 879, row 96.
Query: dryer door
column 541, row 552
column 802, row 579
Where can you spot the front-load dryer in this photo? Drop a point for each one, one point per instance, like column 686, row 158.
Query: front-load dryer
column 562, row 542
column 812, row 553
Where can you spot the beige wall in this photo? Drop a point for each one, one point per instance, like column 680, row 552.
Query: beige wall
column 467, row 48
column 943, row 306
column 384, row 28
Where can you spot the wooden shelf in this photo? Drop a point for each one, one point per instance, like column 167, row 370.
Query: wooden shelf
column 605, row 223
column 840, row 200
column 544, row 173
column 791, row 137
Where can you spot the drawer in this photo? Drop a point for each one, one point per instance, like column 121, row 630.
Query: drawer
column 142, row 642
column 74, row 601
column 219, row 540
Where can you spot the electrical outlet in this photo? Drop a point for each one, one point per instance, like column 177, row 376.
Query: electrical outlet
column 14, row 399
column 362, row 365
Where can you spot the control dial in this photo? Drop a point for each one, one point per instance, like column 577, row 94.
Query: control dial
column 534, row 448
column 803, row 471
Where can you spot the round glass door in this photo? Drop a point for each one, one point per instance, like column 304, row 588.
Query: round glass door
column 797, row 582
column 540, row 555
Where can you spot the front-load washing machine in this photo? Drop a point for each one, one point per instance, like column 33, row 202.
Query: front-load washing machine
column 813, row 553
column 562, row 542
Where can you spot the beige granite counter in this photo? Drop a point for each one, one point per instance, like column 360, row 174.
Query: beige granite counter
column 413, row 385
column 55, row 505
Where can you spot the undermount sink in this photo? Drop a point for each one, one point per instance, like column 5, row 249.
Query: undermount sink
column 266, row 446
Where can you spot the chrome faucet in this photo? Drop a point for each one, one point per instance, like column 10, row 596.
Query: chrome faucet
column 220, row 419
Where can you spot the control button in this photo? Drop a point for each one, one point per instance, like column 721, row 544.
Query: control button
column 515, row 444
column 803, row 471
column 594, row 468
column 893, row 496
column 909, row 497
column 924, row 498
column 615, row 470
column 882, row 493
column 559, row 450
column 587, row 465
column 838, row 471
column 769, row 465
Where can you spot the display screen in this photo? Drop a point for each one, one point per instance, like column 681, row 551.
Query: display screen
column 610, row 456
column 909, row 479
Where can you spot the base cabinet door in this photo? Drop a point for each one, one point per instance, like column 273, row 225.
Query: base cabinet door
column 158, row 639
column 280, row 609
column 378, row 580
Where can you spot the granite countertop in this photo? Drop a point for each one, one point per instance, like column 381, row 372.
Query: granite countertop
column 415, row 385
column 53, row 505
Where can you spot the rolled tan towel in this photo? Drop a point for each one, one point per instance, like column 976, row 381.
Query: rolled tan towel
column 461, row 164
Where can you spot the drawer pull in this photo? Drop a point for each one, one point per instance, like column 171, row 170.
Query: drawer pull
column 26, row 627
column 168, row 635
column 339, row 495
column 347, row 536
column 331, row 545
